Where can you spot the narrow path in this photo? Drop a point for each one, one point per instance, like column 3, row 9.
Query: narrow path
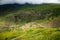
column 18, row 37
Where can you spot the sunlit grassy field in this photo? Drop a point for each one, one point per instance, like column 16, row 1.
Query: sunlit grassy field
column 31, row 34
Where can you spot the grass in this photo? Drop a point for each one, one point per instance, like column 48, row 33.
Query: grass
column 5, row 35
column 32, row 34
column 41, row 34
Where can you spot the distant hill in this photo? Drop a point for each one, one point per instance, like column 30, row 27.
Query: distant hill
column 20, row 13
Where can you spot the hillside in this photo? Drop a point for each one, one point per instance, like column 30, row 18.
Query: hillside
column 22, row 20
column 28, row 12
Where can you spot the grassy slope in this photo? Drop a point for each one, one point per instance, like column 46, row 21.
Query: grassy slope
column 31, row 34
column 30, row 24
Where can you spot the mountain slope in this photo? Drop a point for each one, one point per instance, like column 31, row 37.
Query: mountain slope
column 17, row 14
column 30, row 22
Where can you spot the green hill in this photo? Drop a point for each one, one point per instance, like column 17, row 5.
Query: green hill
column 17, row 13
column 30, row 21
